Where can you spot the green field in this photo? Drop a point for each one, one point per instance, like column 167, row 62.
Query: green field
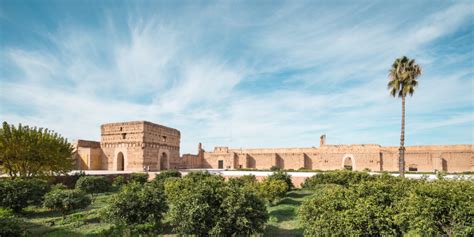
column 86, row 222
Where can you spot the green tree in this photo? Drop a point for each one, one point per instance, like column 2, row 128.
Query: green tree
column 139, row 177
column 438, row 208
column 242, row 212
column 194, row 202
column 26, row 151
column 137, row 206
column 272, row 190
column 66, row 200
column 204, row 204
column 93, row 184
column 402, row 76
column 340, row 177
column 364, row 209
column 283, row 176
column 10, row 225
column 16, row 194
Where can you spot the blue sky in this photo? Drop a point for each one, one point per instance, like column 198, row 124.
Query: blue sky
column 239, row 73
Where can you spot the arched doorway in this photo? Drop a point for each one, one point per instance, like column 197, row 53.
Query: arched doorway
column 164, row 163
column 348, row 162
column 120, row 161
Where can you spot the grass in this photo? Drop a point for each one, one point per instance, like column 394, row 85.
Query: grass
column 283, row 216
column 84, row 222
column 40, row 221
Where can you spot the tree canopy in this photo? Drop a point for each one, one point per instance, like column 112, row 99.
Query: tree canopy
column 403, row 75
column 29, row 151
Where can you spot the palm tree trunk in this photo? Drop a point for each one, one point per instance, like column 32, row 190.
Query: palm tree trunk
column 401, row 160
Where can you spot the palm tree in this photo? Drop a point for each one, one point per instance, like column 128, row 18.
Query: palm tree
column 403, row 75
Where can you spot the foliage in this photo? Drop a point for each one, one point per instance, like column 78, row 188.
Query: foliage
column 198, row 175
column 138, row 206
column 119, row 181
column 139, row 177
column 58, row 186
column 168, row 174
column 241, row 212
column 93, row 184
column 362, row 209
column 274, row 168
column 438, row 208
column 283, row 176
column 244, row 181
column 16, row 194
column 387, row 205
column 10, row 224
column 340, row 177
column 272, row 190
column 66, row 200
column 204, row 204
column 403, row 74
column 26, row 151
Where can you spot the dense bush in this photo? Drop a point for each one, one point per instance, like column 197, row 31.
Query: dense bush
column 274, row 168
column 245, row 181
column 16, row 194
column 341, row 177
column 140, row 207
column 364, row 209
column 283, row 176
column 198, row 175
column 386, row 205
column 241, row 212
column 93, row 184
column 272, row 190
column 119, row 181
column 138, row 177
column 10, row 224
column 66, row 200
column 439, row 208
column 204, row 204
column 163, row 175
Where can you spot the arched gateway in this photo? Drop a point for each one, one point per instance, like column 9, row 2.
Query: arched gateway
column 348, row 162
column 120, row 162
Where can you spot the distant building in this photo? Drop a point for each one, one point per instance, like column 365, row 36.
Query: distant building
column 135, row 146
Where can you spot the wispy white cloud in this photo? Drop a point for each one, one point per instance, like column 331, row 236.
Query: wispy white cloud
column 325, row 70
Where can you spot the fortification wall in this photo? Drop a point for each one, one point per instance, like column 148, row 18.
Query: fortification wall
column 450, row 158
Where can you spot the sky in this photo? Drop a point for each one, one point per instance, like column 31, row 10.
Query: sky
column 239, row 73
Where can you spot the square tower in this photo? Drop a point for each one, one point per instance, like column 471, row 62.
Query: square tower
column 139, row 145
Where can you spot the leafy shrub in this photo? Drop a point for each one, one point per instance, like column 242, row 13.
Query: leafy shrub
column 341, row 177
column 242, row 213
column 93, row 184
column 274, row 168
column 243, row 181
column 204, row 204
column 65, row 200
column 198, row 175
column 58, row 186
column 138, row 177
column 439, row 208
column 167, row 174
column 363, row 209
column 10, row 224
column 272, row 190
column 119, row 181
column 137, row 205
column 283, row 176
column 16, row 194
